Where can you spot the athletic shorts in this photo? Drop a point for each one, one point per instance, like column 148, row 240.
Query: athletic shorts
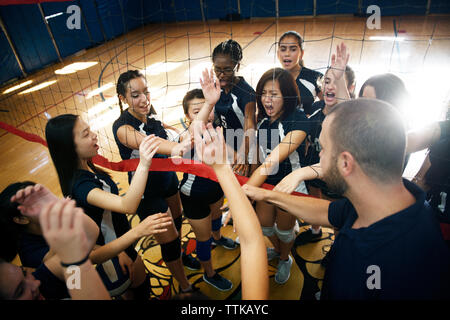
column 197, row 207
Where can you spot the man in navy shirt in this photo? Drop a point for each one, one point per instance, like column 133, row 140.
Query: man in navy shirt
column 389, row 245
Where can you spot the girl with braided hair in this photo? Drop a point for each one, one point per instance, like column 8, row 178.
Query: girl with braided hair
column 236, row 108
column 161, row 192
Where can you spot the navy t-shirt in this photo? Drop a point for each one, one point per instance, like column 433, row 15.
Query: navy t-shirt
column 112, row 225
column 308, row 84
column 404, row 254
column 159, row 184
column 271, row 134
column 230, row 109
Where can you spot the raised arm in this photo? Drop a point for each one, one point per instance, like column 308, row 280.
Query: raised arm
column 313, row 211
column 339, row 62
column 33, row 199
column 62, row 226
column 130, row 202
column 211, row 92
column 254, row 274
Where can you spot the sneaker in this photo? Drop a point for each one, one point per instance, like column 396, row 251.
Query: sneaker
column 225, row 242
column 307, row 237
column 317, row 295
column 272, row 254
column 218, row 282
column 190, row 262
column 283, row 271
column 237, row 241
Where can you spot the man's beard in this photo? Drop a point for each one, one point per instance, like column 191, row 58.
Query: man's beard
column 334, row 180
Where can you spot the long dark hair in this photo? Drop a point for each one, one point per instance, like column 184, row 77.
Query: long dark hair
column 288, row 88
column 60, row 141
column 296, row 35
column 389, row 88
column 10, row 232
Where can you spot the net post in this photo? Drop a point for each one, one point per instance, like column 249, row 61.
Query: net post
column 13, row 48
column 50, row 33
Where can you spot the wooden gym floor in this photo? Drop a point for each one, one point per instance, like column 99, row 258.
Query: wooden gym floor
column 173, row 56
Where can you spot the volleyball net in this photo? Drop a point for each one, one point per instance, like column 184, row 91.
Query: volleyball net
column 66, row 56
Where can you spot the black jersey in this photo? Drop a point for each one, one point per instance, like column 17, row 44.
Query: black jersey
column 230, row 109
column 112, row 225
column 312, row 154
column 194, row 186
column 159, row 184
column 271, row 134
column 308, row 84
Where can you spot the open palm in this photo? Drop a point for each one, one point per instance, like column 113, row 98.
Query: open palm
column 210, row 87
column 339, row 61
column 32, row 199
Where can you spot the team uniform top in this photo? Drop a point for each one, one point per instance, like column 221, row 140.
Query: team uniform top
column 32, row 249
column 307, row 82
column 271, row 134
column 194, row 186
column 314, row 148
column 159, row 184
column 112, row 224
column 51, row 287
column 402, row 256
column 230, row 109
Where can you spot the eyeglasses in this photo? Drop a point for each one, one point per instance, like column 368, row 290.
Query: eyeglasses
column 225, row 71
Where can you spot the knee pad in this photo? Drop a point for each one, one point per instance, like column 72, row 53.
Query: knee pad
column 285, row 236
column 204, row 250
column 171, row 251
column 268, row 231
column 178, row 222
column 216, row 224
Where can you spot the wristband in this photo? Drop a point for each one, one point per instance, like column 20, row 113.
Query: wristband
column 79, row 263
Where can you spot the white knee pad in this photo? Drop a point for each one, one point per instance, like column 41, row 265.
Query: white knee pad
column 268, row 231
column 285, row 236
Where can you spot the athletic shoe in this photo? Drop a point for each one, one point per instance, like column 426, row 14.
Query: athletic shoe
column 283, row 271
column 237, row 241
column 307, row 237
column 190, row 262
column 218, row 282
column 225, row 242
column 317, row 295
column 272, row 254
